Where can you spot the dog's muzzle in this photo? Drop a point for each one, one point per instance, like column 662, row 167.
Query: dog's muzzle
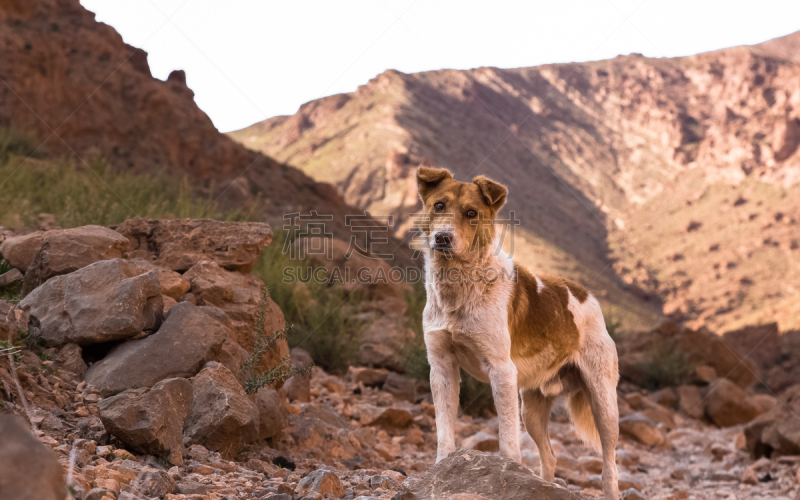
column 442, row 241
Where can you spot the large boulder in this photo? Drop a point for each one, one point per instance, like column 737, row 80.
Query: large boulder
column 778, row 430
column 28, row 469
column 188, row 338
column 727, row 404
column 62, row 251
column 222, row 418
column 104, row 301
column 179, row 244
column 150, row 420
column 703, row 347
column 356, row 271
column 239, row 296
column 474, row 473
column 385, row 341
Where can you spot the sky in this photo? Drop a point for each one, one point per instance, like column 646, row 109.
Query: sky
column 249, row 60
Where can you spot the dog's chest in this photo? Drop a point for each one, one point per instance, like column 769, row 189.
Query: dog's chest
column 465, row 308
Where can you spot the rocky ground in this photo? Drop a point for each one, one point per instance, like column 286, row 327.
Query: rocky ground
column 127, row 351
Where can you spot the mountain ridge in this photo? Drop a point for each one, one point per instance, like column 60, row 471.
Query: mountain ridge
column 587, row 148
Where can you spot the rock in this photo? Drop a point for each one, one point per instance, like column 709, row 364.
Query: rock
column 762, row 402
column 337, row 249
column 760, row 344
column 222, row 417
column 238, row 295
column 19, row 251
column 493, row 477
column 727, row 405
column 481, row 441
column 180, row 244
column 10, row 277
column 401, row 387
column 665, row 397
column 64, row 251
column 188, row 338
column 392, row 417
column 173, row 285
column 370, row 377
column 71, row 359
column 749, row 476
column 778, row 430
column 641, row 428
column 154, row 483
column 150, row 420
column 323, row 482
column 103, row 301
column 690, row 401
column 321, row 433
column 384, row 342
column 298, row 388
column 272, row 415
column 704, row 375
column 28, row 469
column 704, row 348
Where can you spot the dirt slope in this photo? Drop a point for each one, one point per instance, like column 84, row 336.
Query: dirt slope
column 612, row 165
column 73, row 83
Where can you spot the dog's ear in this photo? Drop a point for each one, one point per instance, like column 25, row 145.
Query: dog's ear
column 493, row 192
column 428, row 178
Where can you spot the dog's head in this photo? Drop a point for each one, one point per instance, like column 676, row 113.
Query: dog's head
column 459, row 216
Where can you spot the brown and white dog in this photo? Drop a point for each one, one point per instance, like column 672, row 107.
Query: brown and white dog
column 539, row 335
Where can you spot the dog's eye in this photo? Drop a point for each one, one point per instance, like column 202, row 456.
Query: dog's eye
column 472, row 214
column 438, row 205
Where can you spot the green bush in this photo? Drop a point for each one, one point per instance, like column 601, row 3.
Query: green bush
column 322, row 315
column 16, row 142
column 666, row 365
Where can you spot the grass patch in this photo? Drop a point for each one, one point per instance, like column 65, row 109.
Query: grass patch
column 321, row 315
column 667, row 365
column 93, row 194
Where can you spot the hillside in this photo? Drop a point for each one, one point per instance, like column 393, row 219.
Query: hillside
column 74, row 86
column 663, row 184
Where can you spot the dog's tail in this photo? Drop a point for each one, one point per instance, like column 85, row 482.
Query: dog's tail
column 581, row 414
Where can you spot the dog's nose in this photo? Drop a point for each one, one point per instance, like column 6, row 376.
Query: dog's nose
column 442, row 239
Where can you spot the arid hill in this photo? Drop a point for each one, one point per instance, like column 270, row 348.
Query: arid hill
column 73, row 83
column 663, row 184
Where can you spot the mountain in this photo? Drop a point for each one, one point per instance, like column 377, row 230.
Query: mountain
column 785, row 47
column 668, row 186
column 76, row 87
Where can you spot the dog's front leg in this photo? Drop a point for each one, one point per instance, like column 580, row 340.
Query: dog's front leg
column 445, row 380
column 503, row 377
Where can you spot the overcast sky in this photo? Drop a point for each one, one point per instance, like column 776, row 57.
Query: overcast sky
column 248, row 60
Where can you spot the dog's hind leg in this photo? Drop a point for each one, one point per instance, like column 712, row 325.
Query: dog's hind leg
column 536, row 414
column 445, row 380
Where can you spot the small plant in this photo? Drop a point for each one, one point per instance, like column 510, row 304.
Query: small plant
column 14, row 349
column 667, row 364
column 613, row 325
column 254, row 378
column 475, row 397
column 416, row 356
column 322, row 314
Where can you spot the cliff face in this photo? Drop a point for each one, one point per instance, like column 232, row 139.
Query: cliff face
column 74, row 85
column 664, row 184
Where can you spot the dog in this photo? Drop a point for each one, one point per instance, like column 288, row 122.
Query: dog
column 537, row 336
